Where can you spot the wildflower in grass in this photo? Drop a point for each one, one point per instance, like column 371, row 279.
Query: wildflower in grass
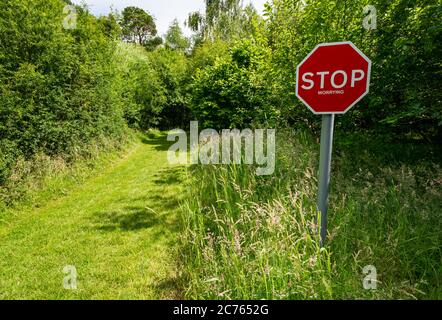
column 267, row 270
column 312, row 261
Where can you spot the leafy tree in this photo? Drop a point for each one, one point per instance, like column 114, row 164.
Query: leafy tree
column 138, row 25
column 175, row 38
column 235, row 90
column 58, row 88
column 195, row 21
column 221, row 19
column 153, row 43
column 171, row 66
column 110, row 25
column 405, row 95
column 154, row 86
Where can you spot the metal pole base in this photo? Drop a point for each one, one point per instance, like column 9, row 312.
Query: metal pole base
column 328, row 121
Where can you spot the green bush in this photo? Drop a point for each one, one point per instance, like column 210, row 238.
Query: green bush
column 235, row 90
column 171, row 67
column 59, row 87
column 154, row 87
column 405, row 49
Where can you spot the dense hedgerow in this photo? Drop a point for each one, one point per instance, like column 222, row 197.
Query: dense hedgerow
column 405, row 49
column 64, row 89
column 236, row 90
column 59, row 87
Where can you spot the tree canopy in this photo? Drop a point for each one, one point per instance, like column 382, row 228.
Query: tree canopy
column 138, row 26
column 175, row 38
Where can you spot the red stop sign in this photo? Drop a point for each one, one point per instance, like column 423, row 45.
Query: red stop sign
column 333, row 78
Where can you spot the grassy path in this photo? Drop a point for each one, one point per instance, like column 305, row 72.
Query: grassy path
column 119, row 229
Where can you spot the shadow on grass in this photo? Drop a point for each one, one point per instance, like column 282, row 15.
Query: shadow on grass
column 152, row 211
column 154, row 208
column 170, row 288
column 158, row 141
column 376, row 150
column 170, row 176
column 128, row 219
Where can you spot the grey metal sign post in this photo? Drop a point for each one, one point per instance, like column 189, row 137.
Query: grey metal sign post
column 328, row 121
column 331, row 80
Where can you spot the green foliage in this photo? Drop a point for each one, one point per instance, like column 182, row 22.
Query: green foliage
column 110, row 26
column 195, row 21
column 172, row 69
column 59, row 89
column 154, row 86
column 153, row 43
column 175, row 38
column 405, row 50
column 223, row 19
column 405, row 95
column 205, row 54
column 250, row 237
column 235, row 91
column 138, row 25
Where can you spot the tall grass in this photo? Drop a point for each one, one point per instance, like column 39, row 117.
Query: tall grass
column 249, row 237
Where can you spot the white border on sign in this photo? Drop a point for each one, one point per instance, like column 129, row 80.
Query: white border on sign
column 330, row 44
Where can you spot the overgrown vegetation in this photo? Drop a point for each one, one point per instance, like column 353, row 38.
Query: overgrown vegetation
column 250, row 237
column 404, row 96
column 64, row 89
column 67, row 92
column 59, row 88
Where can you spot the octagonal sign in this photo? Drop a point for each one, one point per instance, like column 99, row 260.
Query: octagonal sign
column 333, row 78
